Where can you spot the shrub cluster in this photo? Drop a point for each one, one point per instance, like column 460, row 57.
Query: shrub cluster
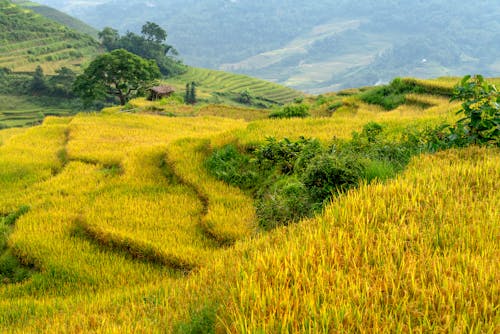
column 291, row 110
column 391, row 96
column 293, row 179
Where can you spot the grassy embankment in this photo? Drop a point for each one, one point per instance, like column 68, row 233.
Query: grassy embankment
column 126, row 231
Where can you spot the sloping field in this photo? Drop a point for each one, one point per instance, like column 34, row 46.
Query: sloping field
column 19, row 111
column 59, row 17
column 29, row 39
column 209, row 81
column 127, row 232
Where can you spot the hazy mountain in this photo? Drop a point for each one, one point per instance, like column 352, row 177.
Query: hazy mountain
column 317, row 45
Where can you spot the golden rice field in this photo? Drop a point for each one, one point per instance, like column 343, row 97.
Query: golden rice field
column 127, row 232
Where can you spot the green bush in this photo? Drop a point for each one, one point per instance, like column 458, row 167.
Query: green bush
column 481, row 111
column 292, row 179
column 286, row 201
column 282, row 155
column 291, row 110
column 390, row 96
column 334, row 106
column 329, row 174
column 229, row 165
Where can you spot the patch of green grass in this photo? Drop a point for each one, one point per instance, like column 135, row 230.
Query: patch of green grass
column 11, row 269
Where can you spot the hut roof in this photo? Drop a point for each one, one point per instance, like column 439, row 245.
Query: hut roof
column 163, row 89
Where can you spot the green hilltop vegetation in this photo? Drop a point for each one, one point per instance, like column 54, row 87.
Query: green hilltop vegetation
column 59, row 17
column 29, row 39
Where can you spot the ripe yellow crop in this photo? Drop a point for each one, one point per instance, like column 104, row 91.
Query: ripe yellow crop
column 128, row 232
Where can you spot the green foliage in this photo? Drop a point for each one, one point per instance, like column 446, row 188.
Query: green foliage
column 118, row 73
column 292, row 110
column 246, row 96
column 334, row 106
column 392, row 95
column 480, row 124
column 190, row 96
column 329, row 174
column 229, row 165
column 61, row 84
column 149, row 45
column 285, row 201
column 202, row 322
column 285, row 155
column 39, row 83
column 481, row 111
column 292, row 179
column 11, row 270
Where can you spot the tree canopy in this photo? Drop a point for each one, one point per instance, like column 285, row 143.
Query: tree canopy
column 118, row 73
column 151, row 44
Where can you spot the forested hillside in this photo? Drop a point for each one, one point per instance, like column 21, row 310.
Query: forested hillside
column 318, row 45
column 29, row 39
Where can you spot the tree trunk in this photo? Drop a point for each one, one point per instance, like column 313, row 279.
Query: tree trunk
column 122, row 98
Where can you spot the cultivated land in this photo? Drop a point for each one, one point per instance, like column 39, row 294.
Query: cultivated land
column 219, row 86
column 29, row 39
column 124, row 230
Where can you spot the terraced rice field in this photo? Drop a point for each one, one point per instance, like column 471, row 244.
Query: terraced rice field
column 29, row 39
column 224, row 82
column 127, row 232
column 18, row 111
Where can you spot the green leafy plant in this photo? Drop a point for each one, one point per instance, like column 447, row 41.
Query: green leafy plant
column 481, row 111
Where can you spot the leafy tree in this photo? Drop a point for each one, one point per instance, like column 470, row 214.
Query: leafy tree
column 187, row 95
column 109, row 38
column 118, row 73
column 246, row 96
column 150, row 45
column 193, row 92
column 61, row 83
column 39, row 82
column 153, row 32
column 190, row 96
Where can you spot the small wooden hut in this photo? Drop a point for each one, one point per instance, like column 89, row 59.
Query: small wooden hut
column 158, row 92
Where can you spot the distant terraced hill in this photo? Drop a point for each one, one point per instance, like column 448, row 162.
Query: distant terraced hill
column 28, row 39
column 58, row 16
column 222, row 85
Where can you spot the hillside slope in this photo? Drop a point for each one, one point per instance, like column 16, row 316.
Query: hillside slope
column 59, row 17
column 30, row 39
column 320, row 45
column 224, row 86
